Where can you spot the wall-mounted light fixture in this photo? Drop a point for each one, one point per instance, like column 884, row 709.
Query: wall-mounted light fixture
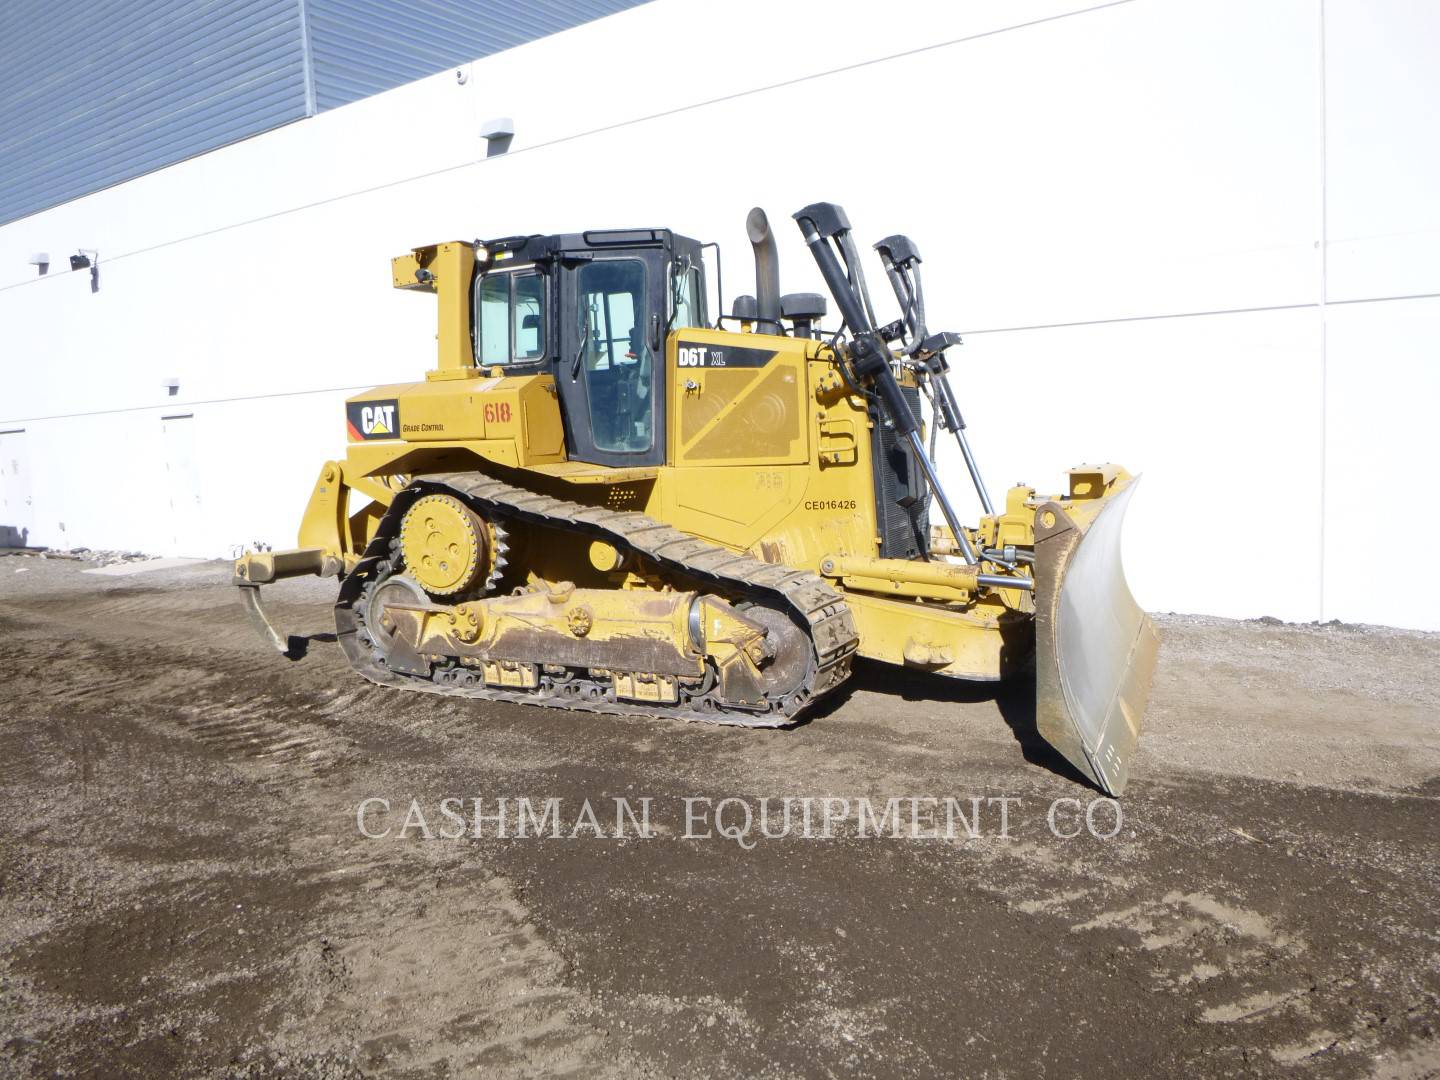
column 41, row 261
column 497, row 133
column 88, row 257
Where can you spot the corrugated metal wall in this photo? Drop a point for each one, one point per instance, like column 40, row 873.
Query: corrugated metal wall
column 362, row 47
column 95, row 93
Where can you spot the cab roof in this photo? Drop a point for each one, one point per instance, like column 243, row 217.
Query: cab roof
column 540, row 247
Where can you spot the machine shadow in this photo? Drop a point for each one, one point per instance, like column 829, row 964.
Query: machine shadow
column 1014, row 697
column 297, row 645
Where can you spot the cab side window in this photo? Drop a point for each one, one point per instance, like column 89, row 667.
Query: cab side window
column 509, row 318
column 527, row 332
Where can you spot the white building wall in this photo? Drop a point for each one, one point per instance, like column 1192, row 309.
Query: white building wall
column 1194, row 236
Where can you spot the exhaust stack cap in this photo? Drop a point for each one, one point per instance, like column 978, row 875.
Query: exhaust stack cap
column 757, row 225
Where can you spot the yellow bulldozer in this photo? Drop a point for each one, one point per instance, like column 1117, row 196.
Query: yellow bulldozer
column 601, row 499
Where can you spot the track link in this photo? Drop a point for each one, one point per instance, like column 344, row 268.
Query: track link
column 813, row 605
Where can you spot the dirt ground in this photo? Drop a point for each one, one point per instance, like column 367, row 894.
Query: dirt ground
column 184, row 888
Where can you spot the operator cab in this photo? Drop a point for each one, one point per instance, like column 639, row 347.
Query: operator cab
column 593, row 309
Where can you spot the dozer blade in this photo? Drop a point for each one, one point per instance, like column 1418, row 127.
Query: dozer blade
column 1095, row 649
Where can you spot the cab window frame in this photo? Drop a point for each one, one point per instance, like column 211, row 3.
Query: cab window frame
column 511, row 275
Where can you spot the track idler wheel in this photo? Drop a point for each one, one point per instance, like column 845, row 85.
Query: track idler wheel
column 761, row 655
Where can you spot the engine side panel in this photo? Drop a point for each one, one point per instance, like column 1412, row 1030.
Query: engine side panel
column 511, row 420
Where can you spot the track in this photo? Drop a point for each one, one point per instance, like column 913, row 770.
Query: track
column 816, row 608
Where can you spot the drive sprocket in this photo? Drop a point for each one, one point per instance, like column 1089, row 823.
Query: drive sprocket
column 446, row 546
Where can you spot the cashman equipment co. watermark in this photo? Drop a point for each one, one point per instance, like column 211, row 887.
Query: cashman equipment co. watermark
column 744, row 820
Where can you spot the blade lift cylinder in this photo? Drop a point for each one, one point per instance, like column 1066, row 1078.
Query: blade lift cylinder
column 819, row 224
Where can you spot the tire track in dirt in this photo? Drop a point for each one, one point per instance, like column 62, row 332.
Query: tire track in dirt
column 266, row 724
column 399, row 989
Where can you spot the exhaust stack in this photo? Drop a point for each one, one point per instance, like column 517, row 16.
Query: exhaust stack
column 767, row 272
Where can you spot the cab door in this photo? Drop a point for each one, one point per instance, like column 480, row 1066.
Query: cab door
column 610, row 370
